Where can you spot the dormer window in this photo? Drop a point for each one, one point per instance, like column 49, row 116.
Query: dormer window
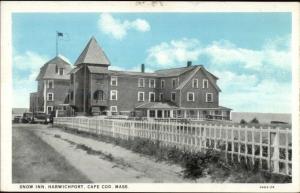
column 61, row 71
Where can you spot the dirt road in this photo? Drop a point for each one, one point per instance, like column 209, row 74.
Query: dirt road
column 34, row 161
column 95, row 160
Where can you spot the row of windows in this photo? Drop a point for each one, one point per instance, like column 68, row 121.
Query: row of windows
column 152, row 83
column 190, row 96
column 99, row 95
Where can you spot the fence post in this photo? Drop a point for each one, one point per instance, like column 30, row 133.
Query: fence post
column 113, row 128
column 275, row 157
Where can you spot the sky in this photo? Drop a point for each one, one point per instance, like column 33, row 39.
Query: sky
column 249, row 52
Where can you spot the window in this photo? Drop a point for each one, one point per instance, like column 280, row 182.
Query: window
column 162, row 84
column 209, row 97
column 152, row 83
column 114, row 109
column 61, row 71
column 174, row 83
column 161, row 96
column 114, row 81
column 72, row 95
column 151, row 96
column 141, row 82
column 141, row 96
column 50, row 84
column 98, row 95
column 72, row 78
column 49, row 109
column 173, row 96
column 190, row 96
column 152, row 113
column 113, row 95
column 56, row 69
column 195, row 83
column 50, row 97
column 205, row 83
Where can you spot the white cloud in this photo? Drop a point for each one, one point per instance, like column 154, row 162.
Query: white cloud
column 140, row 25
column 245, row 92
column 250, row 79
column 221, row 53
column 29, row 60
column 225, row 53
column 229, row 80
column 267, row 96
column 26, row 68
column 174, row 53
column 117, row 28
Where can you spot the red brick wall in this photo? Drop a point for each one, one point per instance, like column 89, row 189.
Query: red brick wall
column 128, row 92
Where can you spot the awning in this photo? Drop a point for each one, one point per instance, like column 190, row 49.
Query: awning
column 157, row 105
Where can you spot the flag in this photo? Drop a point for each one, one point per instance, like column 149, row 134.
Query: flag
column 60, row 34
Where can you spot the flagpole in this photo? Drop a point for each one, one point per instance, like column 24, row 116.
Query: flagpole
column 56, row 44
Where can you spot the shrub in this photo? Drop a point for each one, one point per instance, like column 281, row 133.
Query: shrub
column 254, row 121
column 243, row 121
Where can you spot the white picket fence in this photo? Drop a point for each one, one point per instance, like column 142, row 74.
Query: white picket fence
column 268, row 147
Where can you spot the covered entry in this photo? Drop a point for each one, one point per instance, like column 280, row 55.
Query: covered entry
column 157, row 109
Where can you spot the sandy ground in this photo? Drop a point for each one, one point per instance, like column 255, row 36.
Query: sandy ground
column 34, row 161
column 111, row 163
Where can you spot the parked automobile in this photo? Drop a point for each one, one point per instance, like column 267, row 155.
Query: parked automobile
column 27, row 117
column 17, row 119
column 38, row 117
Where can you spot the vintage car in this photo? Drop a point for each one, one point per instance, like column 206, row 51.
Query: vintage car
column 17, row 119
column 37, row 117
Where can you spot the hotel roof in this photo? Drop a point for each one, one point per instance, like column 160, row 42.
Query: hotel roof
column 93, row 54
column 47, row 71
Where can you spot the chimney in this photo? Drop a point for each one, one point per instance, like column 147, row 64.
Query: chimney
column 143, row 68
column 189, row 63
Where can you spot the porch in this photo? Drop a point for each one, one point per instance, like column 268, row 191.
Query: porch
column 159, row 110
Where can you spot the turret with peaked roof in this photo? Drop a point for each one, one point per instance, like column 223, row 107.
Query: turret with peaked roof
column 93, row 54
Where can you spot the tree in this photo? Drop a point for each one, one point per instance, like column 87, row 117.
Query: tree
column 254, row 120
column 243, row 121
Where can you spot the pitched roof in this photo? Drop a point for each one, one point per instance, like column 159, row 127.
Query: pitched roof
column 192, row 74
column 159, row 73
column 173, row 71
column 132, row 73
column 47, row 71
column 210, row 78
column 157, row 105
column 92, row 54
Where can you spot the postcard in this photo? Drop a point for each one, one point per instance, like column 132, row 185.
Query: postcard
column 150, row 96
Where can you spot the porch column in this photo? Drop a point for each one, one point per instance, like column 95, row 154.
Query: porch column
column 155, row 113
column 184, row 113
column 198, row 114
column 171, row 114
column 163, row 113
column 148, row 113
